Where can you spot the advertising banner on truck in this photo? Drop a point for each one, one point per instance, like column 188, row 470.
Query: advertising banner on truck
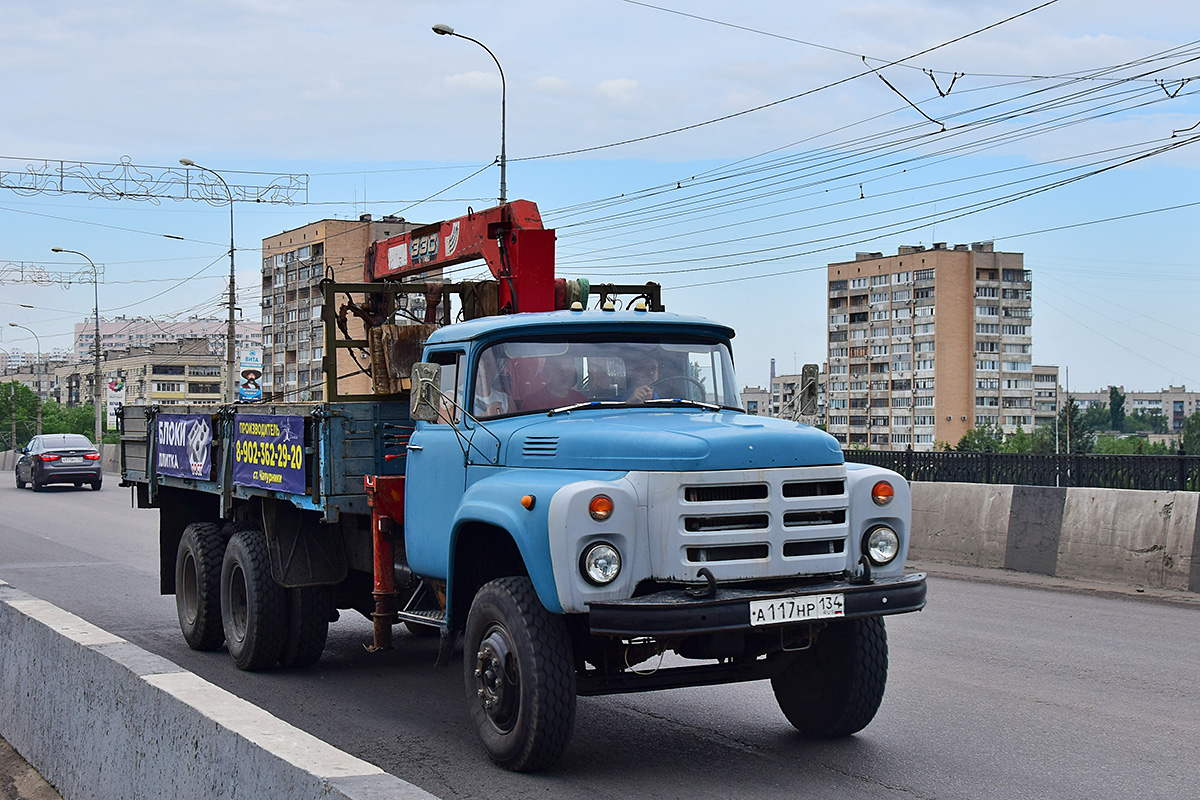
column 183, row 445
column 269, row 452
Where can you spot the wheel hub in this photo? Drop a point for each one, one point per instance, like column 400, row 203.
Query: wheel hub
column 497, row 679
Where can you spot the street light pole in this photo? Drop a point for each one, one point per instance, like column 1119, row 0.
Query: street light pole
column 442, row 29
column 231, row 329
column 96, row 337
column 39, row 376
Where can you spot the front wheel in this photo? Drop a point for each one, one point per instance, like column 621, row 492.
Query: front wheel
column 834, row 688
column 520, row 678
column 20, row 483
column 253, row 606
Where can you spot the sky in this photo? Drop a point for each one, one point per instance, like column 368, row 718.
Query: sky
column 727, row 151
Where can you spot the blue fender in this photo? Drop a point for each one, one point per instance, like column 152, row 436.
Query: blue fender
column 495, row 499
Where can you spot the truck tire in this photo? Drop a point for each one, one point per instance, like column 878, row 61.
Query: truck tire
column 834, row 688
column 308, row 610
column 253, row 605
column 520, row 677
column 198, row 585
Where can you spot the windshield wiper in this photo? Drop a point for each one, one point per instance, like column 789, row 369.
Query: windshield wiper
column 586, row 404
column 679, row 401
column 657, row 401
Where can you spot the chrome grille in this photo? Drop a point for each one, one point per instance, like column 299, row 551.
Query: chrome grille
column 749, row 524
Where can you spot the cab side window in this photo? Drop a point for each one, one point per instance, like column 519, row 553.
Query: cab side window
column 451, row 387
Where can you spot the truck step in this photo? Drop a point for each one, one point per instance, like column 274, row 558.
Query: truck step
column 425, row 617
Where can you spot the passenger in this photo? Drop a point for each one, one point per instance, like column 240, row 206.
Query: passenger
column 559, row 374
column 491, row 387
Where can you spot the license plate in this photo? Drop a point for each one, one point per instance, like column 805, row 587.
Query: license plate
column 797, row 609
column 72, row 459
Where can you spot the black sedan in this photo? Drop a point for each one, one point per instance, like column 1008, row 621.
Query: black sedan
column 59, row 458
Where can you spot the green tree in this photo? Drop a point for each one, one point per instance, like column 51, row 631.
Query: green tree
column 1073, row 436
column 985, row 438
column 1116, row 409
column 1191, row 435
column 1019, row 441
column 1143, row 420
column 1096, row 418
column 24, row 414
column 1129, row 446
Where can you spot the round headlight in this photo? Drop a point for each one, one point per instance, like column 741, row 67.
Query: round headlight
column 601, row 563
column 601, row 507
column 882, row 545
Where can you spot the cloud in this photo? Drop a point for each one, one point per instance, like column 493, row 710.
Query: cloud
column 622, row 91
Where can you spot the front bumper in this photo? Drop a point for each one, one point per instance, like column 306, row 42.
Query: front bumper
column 675, row 613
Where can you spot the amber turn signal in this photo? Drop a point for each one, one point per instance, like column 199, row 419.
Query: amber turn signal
column 882, row 493
column 528, row 501
column 601, row 507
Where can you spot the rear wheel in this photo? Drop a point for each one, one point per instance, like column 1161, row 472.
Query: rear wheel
column 308, row 612
column 253, row 605
column 520, row 678
column 96, row 484
column 834, row 688
column 198, row 585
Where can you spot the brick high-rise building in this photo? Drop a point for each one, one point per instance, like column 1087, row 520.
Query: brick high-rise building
column 294, row 262
column 928, row 343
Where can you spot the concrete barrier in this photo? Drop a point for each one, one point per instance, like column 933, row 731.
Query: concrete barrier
column 101, row 718
column 1131, row 538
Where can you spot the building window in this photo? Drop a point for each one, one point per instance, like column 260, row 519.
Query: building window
column 923, row 275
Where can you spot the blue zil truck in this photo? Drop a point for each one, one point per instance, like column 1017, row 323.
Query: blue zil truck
column 575, row 497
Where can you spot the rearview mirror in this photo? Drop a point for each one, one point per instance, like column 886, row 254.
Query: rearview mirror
column 808, row 389
column 424, row 397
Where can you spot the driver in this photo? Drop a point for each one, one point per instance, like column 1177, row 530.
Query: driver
column 641, row 375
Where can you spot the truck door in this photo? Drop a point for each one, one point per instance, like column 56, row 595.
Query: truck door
column 436, row 474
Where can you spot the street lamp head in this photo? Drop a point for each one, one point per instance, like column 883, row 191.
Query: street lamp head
column 442, row 29
column 187, row 162
column 56, row 250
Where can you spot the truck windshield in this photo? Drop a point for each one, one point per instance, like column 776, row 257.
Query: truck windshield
column 522, row 377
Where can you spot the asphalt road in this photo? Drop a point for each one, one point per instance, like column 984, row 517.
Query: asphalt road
column 995, row 691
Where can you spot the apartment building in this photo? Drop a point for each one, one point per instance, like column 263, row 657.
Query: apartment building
column 294, row 262
column 1175, row 403
column 928, row 343
column 1046, row 395
column 184, row 371
column 121, row 333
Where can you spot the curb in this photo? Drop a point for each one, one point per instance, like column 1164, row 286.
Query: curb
column 101, row 718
